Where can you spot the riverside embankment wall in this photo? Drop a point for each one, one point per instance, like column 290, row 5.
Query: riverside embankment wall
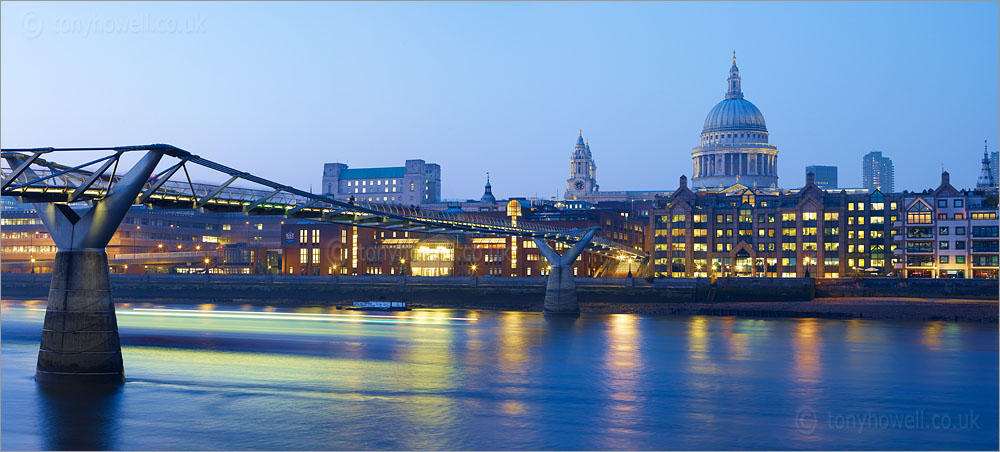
column 513, row 293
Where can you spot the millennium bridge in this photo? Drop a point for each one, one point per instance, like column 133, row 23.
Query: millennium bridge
column 82, row 205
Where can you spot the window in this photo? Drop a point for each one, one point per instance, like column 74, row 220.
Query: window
column 985, row 231
column 788, row 246
column 959, row 203
column 943, row 259
column 807, row 216
column 831, row 216
column 959, row 259
column 942, row 203
column 942, row 216
column 677, row 232
column 983, row 215
column 788, row 232
column 788, row 217
column 943, row 230
column 700, row 232
column 959, row 230
column 700, row 218
column 960, row 244
column 877, row 220
column 303, row 236
column 831, row 246
column 315, row 235
column 918, row 214
column 679, row 217
column 942, row 245
column 303, row 255
column 700, row 247
column 959, row 216
column 315, row 255
column 808, row 246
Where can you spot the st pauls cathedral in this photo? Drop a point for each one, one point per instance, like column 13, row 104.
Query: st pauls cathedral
column 734, row 151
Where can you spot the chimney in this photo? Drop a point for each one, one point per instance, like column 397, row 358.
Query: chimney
column 684, row 181
column 945, row 178
column 810, row 178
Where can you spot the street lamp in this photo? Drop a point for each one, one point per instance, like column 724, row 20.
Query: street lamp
column 473, row 269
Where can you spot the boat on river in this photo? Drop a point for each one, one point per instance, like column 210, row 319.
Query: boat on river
column 379, row 306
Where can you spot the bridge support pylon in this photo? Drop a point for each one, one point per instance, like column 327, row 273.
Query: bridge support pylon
column 560, row 290
column 80, row 341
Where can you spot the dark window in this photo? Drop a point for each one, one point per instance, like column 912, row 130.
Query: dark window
column 958, row 203
column 942, row 203
column 960, row 244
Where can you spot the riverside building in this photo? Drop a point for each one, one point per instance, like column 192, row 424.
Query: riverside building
column 745, row 231
column 947, row 233
column 416, row 182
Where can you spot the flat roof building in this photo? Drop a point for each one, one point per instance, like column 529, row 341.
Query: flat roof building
column 417, row 182
column 825, row 176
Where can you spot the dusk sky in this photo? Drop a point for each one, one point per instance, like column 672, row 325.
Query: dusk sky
column 279, row 89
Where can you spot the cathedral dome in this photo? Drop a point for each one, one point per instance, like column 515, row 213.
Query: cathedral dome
column 734, row 113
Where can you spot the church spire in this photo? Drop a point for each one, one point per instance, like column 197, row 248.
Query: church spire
column 986, row 181
column 488, row 197
column 734, row 81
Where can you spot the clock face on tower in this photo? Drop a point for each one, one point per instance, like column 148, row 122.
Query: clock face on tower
column 578, row 184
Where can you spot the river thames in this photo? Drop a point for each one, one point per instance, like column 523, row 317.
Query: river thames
column 239, row 377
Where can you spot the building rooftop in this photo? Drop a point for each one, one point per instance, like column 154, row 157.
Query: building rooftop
column 373, row 173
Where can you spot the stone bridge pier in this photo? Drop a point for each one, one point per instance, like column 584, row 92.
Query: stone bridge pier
column 80, row 341
column 560, row 291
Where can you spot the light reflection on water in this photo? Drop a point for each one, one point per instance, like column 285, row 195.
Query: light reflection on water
column 223, row 377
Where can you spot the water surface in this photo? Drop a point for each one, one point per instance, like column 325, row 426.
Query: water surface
column 208, row 377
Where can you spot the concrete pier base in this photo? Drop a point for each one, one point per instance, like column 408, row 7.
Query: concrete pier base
column 80, row 341
column 560, row 289
column 560, row 292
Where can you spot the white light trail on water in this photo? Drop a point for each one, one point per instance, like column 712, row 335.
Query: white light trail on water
column 264, row 316
column 396, row 317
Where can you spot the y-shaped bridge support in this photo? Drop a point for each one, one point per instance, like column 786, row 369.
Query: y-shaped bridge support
column 560, row 292
column 80, row 336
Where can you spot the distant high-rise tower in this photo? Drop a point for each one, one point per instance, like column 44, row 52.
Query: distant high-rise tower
column 987, row 180
column 582, row 170
column 877, row 172
column 826, row 176
column 995, row 165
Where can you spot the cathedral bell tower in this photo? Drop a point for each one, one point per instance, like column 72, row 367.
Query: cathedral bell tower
column 582, row 171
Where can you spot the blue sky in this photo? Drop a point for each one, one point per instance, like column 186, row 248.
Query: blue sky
column 280, row 88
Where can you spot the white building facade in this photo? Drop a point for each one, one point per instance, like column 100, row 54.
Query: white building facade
column 417, row 182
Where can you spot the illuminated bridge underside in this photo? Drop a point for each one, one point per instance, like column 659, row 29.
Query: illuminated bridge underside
column 172, row 188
